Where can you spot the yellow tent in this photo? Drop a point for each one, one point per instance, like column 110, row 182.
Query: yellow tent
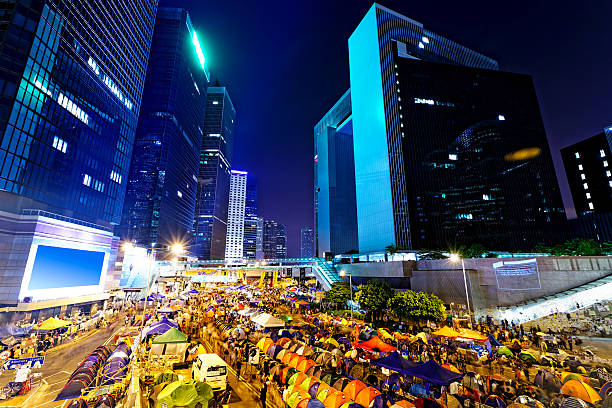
column 583, row 391
column 52, row 323
column 421, row 336
column 446, row 332
column 384, row 334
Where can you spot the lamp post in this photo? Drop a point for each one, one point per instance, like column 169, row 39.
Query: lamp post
column 343, row 274
column 177, row 250
column 455, row 258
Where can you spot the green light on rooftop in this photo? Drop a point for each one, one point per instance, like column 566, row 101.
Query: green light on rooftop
column 198, row 49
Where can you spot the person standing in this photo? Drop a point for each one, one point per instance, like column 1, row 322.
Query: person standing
column 238, row 365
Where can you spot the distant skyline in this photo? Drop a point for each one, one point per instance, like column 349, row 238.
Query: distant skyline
column 285, row 64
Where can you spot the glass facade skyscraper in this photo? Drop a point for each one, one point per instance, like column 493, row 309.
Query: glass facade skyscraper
column 161, row 194
column 250, row 220
column 306, row 243
column 71, row 85
column 274, row 240
column 210, row 222
column 71, row 81
column 442, row 144
column 235, row 217
column 334, row 174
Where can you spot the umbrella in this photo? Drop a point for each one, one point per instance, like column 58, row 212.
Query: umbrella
column 353, row 388
column 548, row 381
column 571, row 402
column 495, row 401
column 579, row 389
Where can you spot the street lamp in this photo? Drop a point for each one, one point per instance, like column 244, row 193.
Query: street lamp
column 343, row 274
column 455, row 258
column 177, row 249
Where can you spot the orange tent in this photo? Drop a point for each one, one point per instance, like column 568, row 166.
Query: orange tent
column 451, row 367
column 288, row 357
column 282, row 341
column 446, row 332
column 267, row 345
column 472, row 335
column 335, row 400
column 303, row 403
column 296, row 360
column 375, row 344
column 366, row 396
column 353, row 388
column 304, row 365
column 581, row 390
column 324, row 391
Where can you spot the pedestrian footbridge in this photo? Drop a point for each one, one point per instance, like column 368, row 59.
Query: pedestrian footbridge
column 324, row 271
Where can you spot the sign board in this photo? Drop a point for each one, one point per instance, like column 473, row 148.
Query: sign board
column 517, row 275
column 32, row 362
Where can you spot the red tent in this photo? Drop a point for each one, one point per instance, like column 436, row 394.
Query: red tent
column 375, row 344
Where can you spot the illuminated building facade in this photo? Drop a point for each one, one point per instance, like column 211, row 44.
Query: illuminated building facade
column 334, row 174
column 235, row 216
column 250, row 220
column 70, row 97
column 448, row 149
column 307, row 242
column 210, row 220
column 160, row 200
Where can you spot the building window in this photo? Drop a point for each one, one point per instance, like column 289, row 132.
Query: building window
column 87, row 180
column 585, row 185
column 608, row 173
column 580, row 167
column 577, row 155
column 501, row 117
column 602, row 153
column 452, row 157
column 588, row 195
column 582, row 176
column 178, row 193
column 591, row 206
column 605, row 163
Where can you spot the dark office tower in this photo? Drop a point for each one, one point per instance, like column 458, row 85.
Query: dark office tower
column 274, row 240
column 335, row 203
column 70, row 92
column 160, row 200
column 588, row 166
column 307, row 242
column 448, row 150
column 250, row 220
column 210, row 222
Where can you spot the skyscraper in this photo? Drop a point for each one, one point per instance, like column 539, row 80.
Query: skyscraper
column 447, row 148
column 250, row 220
column 307, row 242
column 210, row 222
column 161, row 193
column 335, row 201
column 72, row 81
column 274, row 240
column 235, row 216
column 259, row 251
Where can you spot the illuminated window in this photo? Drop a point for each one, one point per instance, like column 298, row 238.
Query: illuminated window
column 87, row 180
column 486, row 197
column 580, row 167
column 452, row 157
column 602, row 153
column 585, row 185
column 501, row 117
column 215, row 102
column 588, row 195
column 608, row 173
column 59, row 144
column 591, row 206
column 426, row 40
column 421, row 45
column 582, row 176
column 178, row 193
column 577, row 155
column 605, row 163
column 610, row 183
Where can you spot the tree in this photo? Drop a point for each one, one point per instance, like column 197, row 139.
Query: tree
column 417, row 306
column 473, row 251
column 573, row 247
column 426, row 254
column 339, row 293
column 374, row 296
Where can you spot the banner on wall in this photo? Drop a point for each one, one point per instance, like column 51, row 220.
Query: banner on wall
column 517, row 275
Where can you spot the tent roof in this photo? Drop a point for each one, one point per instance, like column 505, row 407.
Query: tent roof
column 267, row 320
column 446, row 332
column 52, row 323
column 434, row 373
column 394, row 361
column 375, row 343
column 171, row 336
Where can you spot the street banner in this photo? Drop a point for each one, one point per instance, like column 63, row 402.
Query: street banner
column 517, row 275
column 32, row 362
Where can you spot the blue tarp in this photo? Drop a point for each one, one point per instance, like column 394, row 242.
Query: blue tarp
column 394, row 361
column 433, row 372
column 161, row 327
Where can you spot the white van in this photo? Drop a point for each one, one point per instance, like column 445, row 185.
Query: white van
column 211, row 369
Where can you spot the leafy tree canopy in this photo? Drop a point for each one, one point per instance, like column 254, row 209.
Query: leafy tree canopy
column 339, row 293
column 374, row 295
column 417, row 306
column 574, row 247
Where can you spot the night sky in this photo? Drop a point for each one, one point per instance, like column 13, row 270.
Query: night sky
column 285, row 64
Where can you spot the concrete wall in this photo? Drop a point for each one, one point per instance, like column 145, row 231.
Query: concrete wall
column 445, row 278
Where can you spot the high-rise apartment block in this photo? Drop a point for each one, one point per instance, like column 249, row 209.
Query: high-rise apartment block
column 235, row 216
column 306, row 242
column 274, row 240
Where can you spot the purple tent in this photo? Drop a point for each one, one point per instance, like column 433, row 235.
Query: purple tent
column 395, row 362
column 433, row 373
column 161, row 327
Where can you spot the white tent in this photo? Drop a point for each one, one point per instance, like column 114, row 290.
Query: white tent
column 267, row 320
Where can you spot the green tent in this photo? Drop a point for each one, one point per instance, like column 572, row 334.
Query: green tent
column 171, row 336
column 185, row 393
column 504, row 351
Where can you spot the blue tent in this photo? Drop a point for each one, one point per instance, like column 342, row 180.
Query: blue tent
column 433, row 373
column 394, row 361
column 494, row 342
column 161, row 327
